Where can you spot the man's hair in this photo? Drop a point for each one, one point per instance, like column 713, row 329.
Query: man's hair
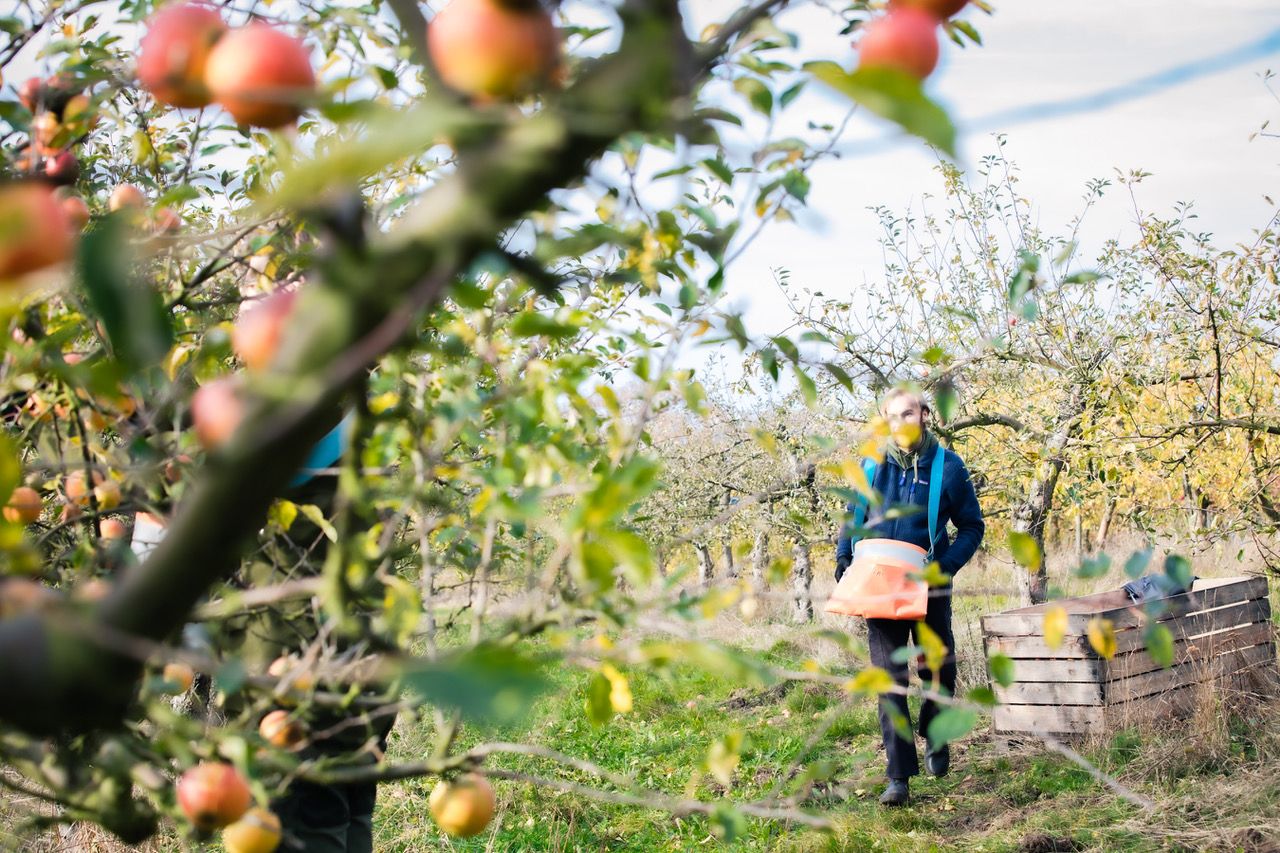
column 903, row 391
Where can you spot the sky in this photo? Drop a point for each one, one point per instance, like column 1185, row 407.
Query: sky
column 1174, row 89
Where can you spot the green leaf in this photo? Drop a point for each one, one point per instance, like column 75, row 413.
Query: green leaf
column 1094, row 567
column 807, row 387
column 1081, row 278
column 839, row 373
column 1159, row 643
column 723, row 757
column 599, row 708
column 530, row 324
column 1178, row 568
column 951, row 724
column 1137, row 563
column 968, row 29
column 796, row 183
column 756, row 92
column 230, row 677
column 719, row 168
column 790, row 94
column 894, row 95
column 983, row 695
column 946, row 399
column 1025, row 550
column 486, row 683
column 727, row 823
column 10, row 468
column 315, row 515
column 1001, row 668
column 132, row 314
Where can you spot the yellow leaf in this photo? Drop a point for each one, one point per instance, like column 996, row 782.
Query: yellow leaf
column 935, row 651
column 1102, row 636
column 1055, row 627
column 283, row 513
column 703, row 327
column 872, row 448
column 856, row 477
column 619, row 689
column 871, row 681
column 384, row 402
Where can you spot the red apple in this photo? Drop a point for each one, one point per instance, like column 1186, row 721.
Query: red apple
column 173, row 53
column 77, row 211
column 166, row 221
column 940, row 9
column 62, row 169
column 217, row 410
column 24, row 507
column 30, row 93
column 491, row 49
column 213, row 795
column 278, row 729
column 256, row 335
column 112, row 528
column 261, row 75
column 35, row 231
column 905, row 39
column 126, row 196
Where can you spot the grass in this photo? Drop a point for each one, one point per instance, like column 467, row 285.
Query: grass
column 1212, row 777
column 1023, row 800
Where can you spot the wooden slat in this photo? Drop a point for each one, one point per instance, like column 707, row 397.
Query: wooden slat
column 1241, row 589
column 1062, row 670
column 1077, row 646
column 1179, row 700
column 1035, row 647
column 1187, row 649
column 1046, row 719
column 1051, row 693
column 1115, row 605
column 1201, row 622
column 1193, row 672
column 1082, row 719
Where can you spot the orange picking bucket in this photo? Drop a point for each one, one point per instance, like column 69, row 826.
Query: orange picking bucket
column 878, row 583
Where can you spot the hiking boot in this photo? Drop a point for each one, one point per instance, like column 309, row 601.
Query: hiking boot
column 896, row 793
column 938, row 761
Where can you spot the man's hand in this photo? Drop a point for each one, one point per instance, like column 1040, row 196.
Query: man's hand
column 842, row 563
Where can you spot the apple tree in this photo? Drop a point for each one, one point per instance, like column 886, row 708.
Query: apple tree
column 434, row 243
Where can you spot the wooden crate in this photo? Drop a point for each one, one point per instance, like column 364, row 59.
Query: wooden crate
column 1222, row 634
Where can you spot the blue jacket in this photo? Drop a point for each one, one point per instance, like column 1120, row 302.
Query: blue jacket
column 899, row 488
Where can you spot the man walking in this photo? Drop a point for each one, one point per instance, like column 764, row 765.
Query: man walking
column 903, row 482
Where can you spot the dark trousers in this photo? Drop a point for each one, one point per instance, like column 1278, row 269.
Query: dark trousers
column 332, row 818
column 884, row 636
column 327, row 818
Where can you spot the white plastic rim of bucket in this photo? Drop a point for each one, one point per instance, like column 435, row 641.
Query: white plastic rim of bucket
column 147, row 533
column 892, row 549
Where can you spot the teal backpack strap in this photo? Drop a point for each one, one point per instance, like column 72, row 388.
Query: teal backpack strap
column 935, row 495
column 860, row 505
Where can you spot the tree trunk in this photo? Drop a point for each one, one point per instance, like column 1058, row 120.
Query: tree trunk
column 730, row 570
column 759, row 557
column 1197, row 507
column 1030, row 515
column 801, row 582
column 706, row 569
column 1079, row 526
column 1104, row 524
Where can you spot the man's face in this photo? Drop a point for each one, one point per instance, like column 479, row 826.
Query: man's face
column 906, row 420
